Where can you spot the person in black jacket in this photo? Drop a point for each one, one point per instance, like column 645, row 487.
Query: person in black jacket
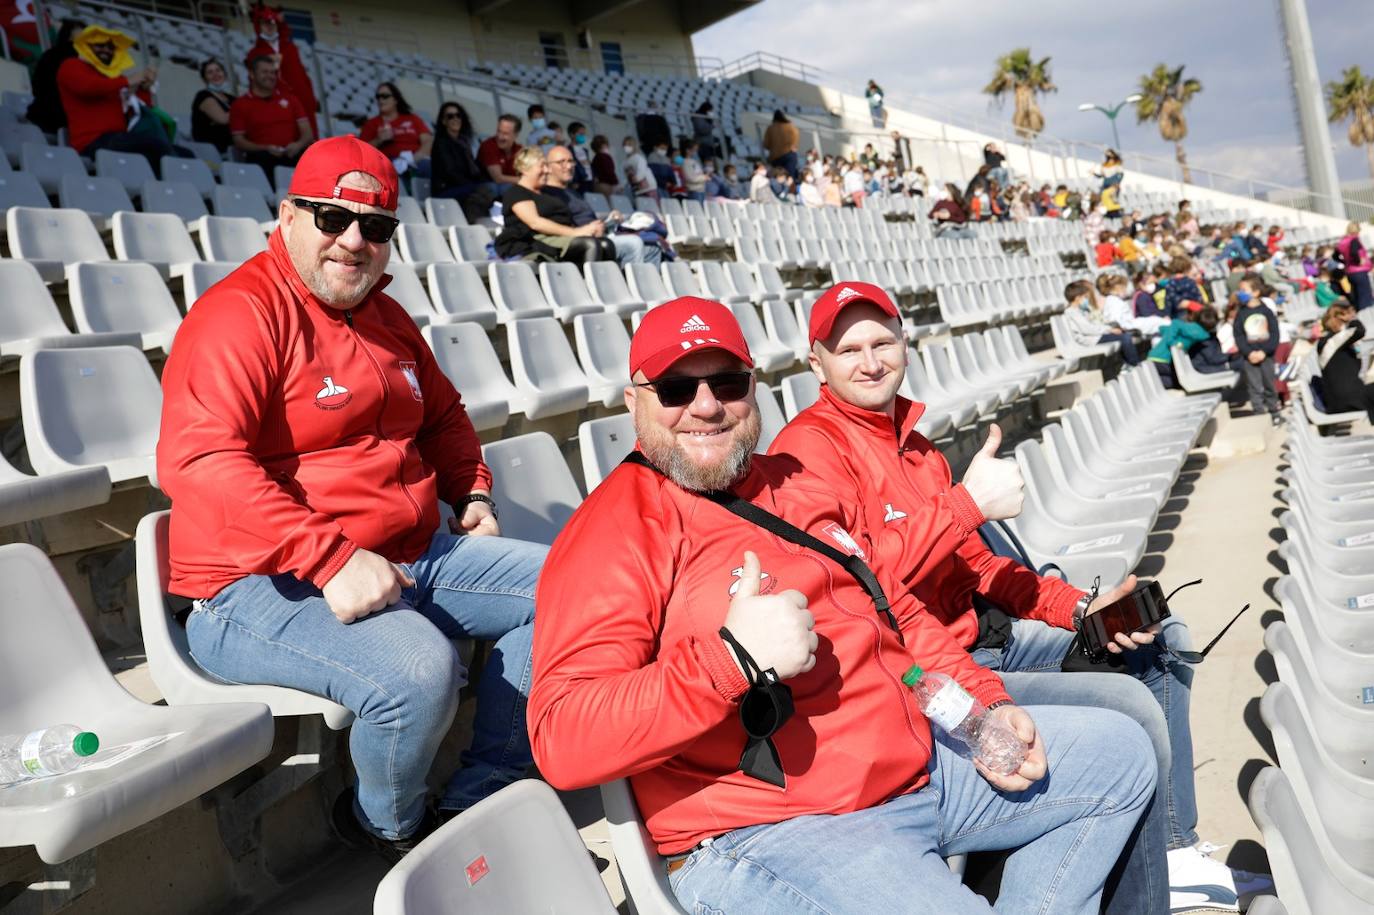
column 652, row 127
column 46, row 108
column 1342, row 387
column 454, row 172
column 1257, row 339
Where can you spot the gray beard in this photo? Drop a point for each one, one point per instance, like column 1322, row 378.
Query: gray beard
column 694, row 478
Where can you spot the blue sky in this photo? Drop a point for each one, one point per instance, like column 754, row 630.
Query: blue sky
column 1242, row 123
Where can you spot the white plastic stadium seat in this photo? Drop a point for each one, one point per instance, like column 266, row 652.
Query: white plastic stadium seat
column 88, row 407
column 195, row 171
column 49, row 163
column 566, row 291
column 533, row 488
column 423, row 244
column 607, row 286
column 247, row 174
column 602, row 444
column 28, row 498
column 54, row 237
column 465, row 355
column 160, row 239
column 405, row 287
column 20, row 189
column 29, row 319
column 100, row 197
column 603, row 350
column 409, row 213
column 458, row 294
column 545, row 372
column 130, row 169
column 646, row 284
column 241, row 201
column 178, row 677
column 231, row 239
column 799, row 391
column 124, row 298
column 641, row 869
column 177, row 197
column 516, row 292
column 444, row 212
column 201, row 277
column 515, row 851
column 469, row 243
column 185, row 752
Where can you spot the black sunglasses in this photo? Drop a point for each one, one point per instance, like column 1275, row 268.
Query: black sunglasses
column 680, row 390
column 452, row 116
column 335, row 220
column 382, row 95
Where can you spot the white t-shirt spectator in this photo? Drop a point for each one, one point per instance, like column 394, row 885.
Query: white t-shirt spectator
column 759, row 189
column 811, row 195
column 637, row 171
column 1116, row 310
column 693, row 175
column 853, row 182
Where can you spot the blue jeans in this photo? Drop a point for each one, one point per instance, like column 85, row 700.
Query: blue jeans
column 397, row 670
column 631, row 249
column 1066, row 829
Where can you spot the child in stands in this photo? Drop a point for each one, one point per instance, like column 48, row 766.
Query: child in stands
column 1257, row 339
column 1105, row 249
column 1086, row 326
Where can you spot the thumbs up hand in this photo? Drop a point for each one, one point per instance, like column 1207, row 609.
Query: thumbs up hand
column 995, row 483
column 776, row 629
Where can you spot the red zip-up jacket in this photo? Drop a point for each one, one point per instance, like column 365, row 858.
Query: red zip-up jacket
column 632, row 679
column 93, row 102
column 294, row 433
column 903, row 487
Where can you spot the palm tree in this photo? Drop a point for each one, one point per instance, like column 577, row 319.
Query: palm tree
column 1353, row 97
column 1024, row 78
column 1163, row 93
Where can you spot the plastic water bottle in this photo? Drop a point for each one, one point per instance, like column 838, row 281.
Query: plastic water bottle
column 49, row 751
column 958, row 714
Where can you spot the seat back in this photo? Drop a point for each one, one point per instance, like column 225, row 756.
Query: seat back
column 408, row 212
column 603, row 347
column 744, row 281
column 516, row 292
column 603, row 443
column 27, row 308
column 177, row 197
column 532, row 487
column 458, row 290
column 68, row 236
column 246, row 174
column 13, row 136
column 680, row 280
column 636, row 855
column 713, row 279
column 564, row 287
column 196, row 172
column 646, row 283
column 470, row 243
column 231, row 239
column 81, row 407
column 607, row 284
column 201, row 276
column 445, row 212
column 515, row 851
column 799, row 391
column 155, row 237
column 771, row 416
column 100, row 196
column 20, row 189
column 240, row 201
column 423, row 244
column 129, row 169
column 49, row 163
column 465, row 355
column 405, row 287
column 121, row 298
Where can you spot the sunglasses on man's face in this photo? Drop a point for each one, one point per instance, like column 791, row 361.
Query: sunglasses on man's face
column 335, row 220
column 680, row 390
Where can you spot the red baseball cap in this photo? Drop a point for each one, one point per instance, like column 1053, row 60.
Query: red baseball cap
column 685, row 325
column 325, row 162
column 840, row 296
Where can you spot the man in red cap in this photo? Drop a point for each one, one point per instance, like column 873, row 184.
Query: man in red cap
column 709, row 629
column 307, row 439
column 860, row 438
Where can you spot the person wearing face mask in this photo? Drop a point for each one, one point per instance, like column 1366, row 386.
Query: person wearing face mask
column 637, row 171
column 809, row 194
column 579, row 141
column 274, row 38
column 1086, row 326
column 693, row 175
column 210, row 107
column 1145, row 303
column 540, row 135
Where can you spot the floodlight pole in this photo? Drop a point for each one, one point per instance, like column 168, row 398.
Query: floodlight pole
column 1111, row 114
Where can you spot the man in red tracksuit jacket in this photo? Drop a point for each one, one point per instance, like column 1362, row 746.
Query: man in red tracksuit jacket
column 659, row 607
column 307, row 439
column 860, row 438
column 274, row 38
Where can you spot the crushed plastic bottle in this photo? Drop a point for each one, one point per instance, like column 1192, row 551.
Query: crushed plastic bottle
column 949, row 706
column 48, row 751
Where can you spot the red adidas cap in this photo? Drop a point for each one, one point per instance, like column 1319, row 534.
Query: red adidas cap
column 325, row 162
column 682, row 326
column 837, row 298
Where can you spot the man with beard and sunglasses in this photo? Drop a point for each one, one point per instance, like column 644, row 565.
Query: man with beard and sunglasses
column 860, row 438
column 676, row 604
column 307, row 439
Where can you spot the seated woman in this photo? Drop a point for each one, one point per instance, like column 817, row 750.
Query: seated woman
column 538, row 226
column 398, row 132
column 210, row 107
column 1342, row 387
column 454, row 171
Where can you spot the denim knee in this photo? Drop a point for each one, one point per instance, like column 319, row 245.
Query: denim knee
column 1134, row 754
column 420, row 687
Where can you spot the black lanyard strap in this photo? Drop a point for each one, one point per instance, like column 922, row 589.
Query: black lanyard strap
column 770, row 522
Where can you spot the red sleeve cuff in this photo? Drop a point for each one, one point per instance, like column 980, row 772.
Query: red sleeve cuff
column 965, row 510
column 991, row 691
column 725, row 675
column 1061, row 614
column 332, row 562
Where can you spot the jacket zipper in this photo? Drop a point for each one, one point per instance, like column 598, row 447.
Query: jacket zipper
column 386, row 397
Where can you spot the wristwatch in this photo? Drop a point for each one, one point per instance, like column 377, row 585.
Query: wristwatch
column 1080, row 610
column 479, row 497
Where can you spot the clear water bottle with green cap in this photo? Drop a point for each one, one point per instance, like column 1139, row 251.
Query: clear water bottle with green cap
column 950, row 707
column 48, row 751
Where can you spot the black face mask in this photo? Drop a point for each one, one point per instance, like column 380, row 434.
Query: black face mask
column 765, row 708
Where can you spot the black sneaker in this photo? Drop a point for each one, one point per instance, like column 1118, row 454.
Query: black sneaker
column 352, row 833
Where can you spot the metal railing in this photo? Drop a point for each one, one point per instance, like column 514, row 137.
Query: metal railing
column 773, row 63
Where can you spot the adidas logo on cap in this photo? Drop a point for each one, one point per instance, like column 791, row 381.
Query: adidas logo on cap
column 694, row 325
column 845, row 294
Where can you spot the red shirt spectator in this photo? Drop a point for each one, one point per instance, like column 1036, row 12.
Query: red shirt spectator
column 1106, row 253
column 270, row 121
column 489, row 154
column 406, row 130
column 93, row 103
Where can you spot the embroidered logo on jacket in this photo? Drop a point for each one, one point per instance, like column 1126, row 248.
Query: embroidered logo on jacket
column 844, row 539
column 892, row 514
column 332, row 396
column 765, row 581
column 408, row 369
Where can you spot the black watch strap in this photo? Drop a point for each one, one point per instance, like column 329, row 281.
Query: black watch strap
column 479, row 497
